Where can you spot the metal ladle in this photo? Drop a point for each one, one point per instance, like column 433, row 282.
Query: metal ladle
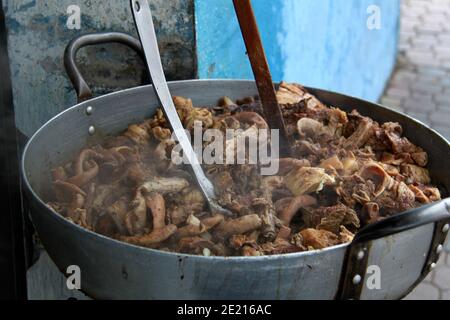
column 144, row 24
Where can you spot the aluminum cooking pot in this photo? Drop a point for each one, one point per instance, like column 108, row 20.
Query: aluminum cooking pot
column 385, row 261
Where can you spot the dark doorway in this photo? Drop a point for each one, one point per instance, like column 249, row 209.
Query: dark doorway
column 12, row 257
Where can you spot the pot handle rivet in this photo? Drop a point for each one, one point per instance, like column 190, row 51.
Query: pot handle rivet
column 360, row 255
column 91, row 130
column 357, row 279
column 439, row 249
column 445, row 228
column 89, row 110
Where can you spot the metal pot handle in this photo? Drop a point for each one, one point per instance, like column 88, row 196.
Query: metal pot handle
column 81, row 87
column 359, row 250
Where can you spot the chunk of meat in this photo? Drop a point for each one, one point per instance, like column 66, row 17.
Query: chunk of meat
column 106, row 226
column 397, row 199
column 280, row 246
column 138, row 134
column 264, row 208
column 310, row 128
column 370, row 213
column 432, row 193
column 197, row 227
column 350, row 164
column 415, row 174
column 361, row 135
column 200, row 115
column 331, row 218
column 336, row 216
column 164, row 185
column 182, row 204
column 380, row 178
column 238, row 241
column 198, row 245
column 396, row 159
column 289, row 93
column 152, row 239
column 420, row 158
column 337, row 121
column 332, row 163
column 184, row 107
column 293, row 206
column 118, row 212
column 319, row 239
column 239, row 226
column 161, row 134
column 420, row 195
column 286, row 165
column 345, row 235
column 307, row 180
column 354, row 189
column 155, row 202
column 252, row 119
column 136, row 218
column 398, row 144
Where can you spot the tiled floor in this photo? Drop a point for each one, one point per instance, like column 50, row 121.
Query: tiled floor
column 420, row 87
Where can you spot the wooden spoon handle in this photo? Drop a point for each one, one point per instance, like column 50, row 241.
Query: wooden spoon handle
column 255, row 50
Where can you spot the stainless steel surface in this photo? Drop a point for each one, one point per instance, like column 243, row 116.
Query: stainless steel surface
column 144, row 24
column 400, row 259
column 111, row 269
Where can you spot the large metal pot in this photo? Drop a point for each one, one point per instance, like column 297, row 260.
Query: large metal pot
column 402, row 248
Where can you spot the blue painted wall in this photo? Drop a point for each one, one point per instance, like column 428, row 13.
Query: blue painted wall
column 319, row 43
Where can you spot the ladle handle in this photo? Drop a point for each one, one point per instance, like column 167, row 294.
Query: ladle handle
column 144, row 24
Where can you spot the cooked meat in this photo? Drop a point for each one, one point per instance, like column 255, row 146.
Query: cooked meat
column 240, row 225
column 346, row 171
column 338, row 216
column 361, row 135
column 310, row 128
column 415, row 174
column 294, row 93
column 196, row 227
column 378, row 176
column 370, row 213
column 307, row 180
column 398, row 198
column 331, row 218
column 318, row 239
column 332, row 163
column 345, row 235
column 288, row 210
column 152, row 239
